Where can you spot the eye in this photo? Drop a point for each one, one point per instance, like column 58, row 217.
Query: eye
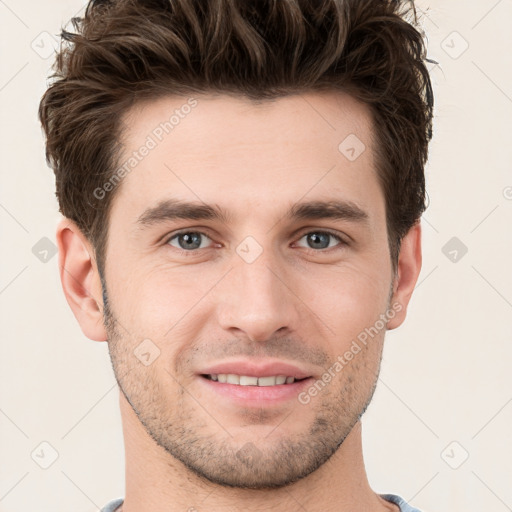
column 321, row 240
column 188, row 240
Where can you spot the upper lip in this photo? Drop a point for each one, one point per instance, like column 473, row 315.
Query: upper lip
column 254, row 368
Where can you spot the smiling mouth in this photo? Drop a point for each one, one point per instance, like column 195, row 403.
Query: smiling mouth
column 246, row 380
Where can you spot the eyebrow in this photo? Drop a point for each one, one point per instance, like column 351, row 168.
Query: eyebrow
column 172, row 209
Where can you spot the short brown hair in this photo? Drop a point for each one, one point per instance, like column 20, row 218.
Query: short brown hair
column 123, row 51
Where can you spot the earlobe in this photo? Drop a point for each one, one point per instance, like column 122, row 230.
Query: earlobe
column 80, row 279
column 409, row 267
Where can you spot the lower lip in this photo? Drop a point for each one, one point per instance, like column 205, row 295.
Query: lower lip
column 257, row 395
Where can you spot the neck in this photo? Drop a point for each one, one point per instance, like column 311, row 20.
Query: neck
column 156, row 481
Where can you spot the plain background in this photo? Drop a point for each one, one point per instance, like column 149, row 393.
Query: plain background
column 438, row 431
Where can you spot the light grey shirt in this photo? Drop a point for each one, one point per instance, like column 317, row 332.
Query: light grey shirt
column 393, row 498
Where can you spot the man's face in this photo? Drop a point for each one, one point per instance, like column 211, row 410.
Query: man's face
column 256, row 293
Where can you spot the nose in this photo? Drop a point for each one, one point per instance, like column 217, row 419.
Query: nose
column 257, row 299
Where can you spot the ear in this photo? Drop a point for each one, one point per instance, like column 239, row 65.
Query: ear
column 80, row 279
column 409, row 267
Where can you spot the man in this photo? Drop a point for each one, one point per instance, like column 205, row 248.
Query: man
column 242, row 186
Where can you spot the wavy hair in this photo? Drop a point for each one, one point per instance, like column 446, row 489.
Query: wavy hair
column 124, row 51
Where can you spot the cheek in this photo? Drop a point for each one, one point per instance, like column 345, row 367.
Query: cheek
column 347, row 300
column 162, row 300
column 159, row 300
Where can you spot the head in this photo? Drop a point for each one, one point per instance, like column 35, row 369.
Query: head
column 249, row 111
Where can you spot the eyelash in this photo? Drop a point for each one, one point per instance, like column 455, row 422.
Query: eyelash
column 193, row 252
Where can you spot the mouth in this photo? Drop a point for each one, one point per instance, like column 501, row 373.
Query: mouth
column 269, row 391
column 247, row 380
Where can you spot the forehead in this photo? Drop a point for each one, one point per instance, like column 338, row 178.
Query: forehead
column 246, row 155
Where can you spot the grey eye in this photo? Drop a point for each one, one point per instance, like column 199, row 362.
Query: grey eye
column 188, row 241
column 320, row 239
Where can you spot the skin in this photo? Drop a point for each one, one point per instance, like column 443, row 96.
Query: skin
column 296, row 302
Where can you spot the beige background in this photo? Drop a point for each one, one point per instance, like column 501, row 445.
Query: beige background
column 446, row 387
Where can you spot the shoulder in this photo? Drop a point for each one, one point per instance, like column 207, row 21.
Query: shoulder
column 113, row 505
column 398, row 500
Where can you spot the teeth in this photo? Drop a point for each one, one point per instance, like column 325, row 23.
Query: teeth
column 267, row 381
column 248, row 381
column 233, row 379
column 244, row 380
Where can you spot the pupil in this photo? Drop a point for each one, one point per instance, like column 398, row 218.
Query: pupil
column 319, row 239
column 193, row 239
